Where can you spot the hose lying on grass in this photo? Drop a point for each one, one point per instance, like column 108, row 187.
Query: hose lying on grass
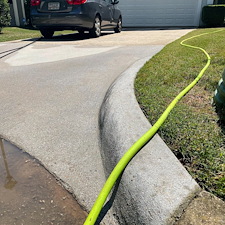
column 136, row 147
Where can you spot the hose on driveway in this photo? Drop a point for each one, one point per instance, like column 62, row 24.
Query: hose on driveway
column 133, row 150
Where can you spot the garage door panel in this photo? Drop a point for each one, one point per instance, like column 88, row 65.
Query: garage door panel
column 159, row 13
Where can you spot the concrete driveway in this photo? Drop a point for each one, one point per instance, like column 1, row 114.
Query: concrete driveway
column 51, row 92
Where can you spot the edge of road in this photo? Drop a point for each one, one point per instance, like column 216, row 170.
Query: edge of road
column 155, row 188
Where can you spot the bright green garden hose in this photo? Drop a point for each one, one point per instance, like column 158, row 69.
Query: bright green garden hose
column 93, row 215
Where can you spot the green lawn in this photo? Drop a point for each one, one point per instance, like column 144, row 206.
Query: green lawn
column 16, row 33
column 193, row 131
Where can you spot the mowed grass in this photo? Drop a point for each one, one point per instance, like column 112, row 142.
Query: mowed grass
column 16, row 33
column 193, row 130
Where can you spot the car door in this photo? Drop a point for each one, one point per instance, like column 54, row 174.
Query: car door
column 106, row 12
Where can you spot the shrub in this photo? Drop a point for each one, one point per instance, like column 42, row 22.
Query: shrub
column 213, row 15
column 4, row 14
column 219, row 2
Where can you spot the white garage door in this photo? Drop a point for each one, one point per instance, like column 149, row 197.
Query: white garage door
column 158, row 13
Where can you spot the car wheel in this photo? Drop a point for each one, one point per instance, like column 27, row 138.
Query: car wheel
column 95, row 31
column 47, row 33
column 81, row 31
column 118, row 27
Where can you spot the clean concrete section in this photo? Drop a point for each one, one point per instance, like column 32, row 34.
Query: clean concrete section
column 7, row 48
column 50, row 108
column 155, row 187
column 57, row 53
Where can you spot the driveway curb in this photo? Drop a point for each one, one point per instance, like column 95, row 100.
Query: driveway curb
column 155, row 188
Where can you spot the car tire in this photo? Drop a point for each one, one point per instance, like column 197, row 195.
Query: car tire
column 118, row 27
column 81, row 31
column 95, row 31
column 47, row 33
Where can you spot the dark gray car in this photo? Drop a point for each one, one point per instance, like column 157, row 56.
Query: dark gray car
column 82, row 15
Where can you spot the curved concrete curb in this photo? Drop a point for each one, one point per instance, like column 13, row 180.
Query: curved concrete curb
column 155, row 187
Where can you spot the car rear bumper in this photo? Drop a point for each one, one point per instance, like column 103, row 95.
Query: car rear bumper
column 61, row 21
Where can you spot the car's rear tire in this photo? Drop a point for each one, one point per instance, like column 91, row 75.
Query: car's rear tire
column 81, row 31
column 47, row 33
column 95, row 31
column 118, row 27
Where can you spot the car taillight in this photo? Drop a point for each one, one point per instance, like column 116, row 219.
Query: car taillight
column 76, row 2
column 35, row 2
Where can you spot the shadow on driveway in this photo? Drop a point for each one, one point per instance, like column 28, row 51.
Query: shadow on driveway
column 72, row 37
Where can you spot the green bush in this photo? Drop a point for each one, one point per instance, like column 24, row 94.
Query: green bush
column 4, row 14
column 213, row 15
column 219, row 2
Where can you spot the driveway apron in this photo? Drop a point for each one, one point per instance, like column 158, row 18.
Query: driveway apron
column 51, row 93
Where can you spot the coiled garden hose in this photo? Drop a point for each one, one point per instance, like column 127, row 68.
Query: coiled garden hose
column 133, row 150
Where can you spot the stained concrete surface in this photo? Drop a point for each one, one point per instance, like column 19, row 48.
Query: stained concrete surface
column 30, row 195
column 205, row 209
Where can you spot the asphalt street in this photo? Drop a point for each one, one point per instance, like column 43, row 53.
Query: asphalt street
column 51, row 92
